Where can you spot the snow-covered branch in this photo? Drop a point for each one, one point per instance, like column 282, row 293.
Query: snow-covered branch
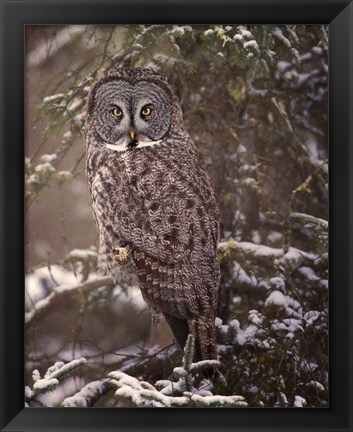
column 88, row 395
column 277, row 257
column 167, row 393
column 63, row 293
column 53, row 376
column 143, row 394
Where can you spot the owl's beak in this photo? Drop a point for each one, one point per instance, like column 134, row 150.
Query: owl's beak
column 132, row 134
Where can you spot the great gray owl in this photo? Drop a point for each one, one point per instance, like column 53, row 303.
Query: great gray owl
column 153, row 201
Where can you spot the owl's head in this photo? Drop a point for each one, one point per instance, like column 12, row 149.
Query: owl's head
column 131, row 108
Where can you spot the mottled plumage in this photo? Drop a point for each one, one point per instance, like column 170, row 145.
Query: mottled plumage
column 153, row 199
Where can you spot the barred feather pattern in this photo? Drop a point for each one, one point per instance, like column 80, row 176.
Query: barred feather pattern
column 158, row 203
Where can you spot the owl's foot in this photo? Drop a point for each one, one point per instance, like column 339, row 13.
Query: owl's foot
column 121, row 255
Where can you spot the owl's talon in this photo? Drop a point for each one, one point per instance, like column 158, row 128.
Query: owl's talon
column 120, row 255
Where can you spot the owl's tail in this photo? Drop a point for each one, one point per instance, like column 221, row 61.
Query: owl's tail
column 203, row 330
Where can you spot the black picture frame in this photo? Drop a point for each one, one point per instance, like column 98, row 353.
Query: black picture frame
column 15, row 14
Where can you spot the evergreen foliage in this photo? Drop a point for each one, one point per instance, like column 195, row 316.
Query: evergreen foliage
column 131, row 391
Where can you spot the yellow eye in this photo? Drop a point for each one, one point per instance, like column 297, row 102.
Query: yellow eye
column 117, row 112
column 146, row 111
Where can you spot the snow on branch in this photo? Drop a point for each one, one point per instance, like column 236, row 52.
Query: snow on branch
column 53, row 376
column 310, row 222
column 64, row 293
column 167, row 393
column 279, row 257
column 143, row 394
column 248, row 248
column 316, row 226
column 88, row 395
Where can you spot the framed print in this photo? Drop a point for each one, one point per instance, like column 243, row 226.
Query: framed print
column 176, row 191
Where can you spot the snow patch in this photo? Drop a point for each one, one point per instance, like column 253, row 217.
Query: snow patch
column 291, row 306
column 299, row 402
column 44, row 383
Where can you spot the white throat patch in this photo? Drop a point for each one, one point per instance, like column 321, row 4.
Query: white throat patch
column 123, row 147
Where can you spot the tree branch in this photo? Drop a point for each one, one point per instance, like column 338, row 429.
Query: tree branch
column 63, row 293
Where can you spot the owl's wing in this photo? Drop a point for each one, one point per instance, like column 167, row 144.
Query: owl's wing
column 172, row 226
column 172, row 207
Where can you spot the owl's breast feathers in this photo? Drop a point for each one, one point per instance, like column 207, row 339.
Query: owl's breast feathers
column 159, row 200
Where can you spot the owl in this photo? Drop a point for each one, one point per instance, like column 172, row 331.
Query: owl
column 153, row 202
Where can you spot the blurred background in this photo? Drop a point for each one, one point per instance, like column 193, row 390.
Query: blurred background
column 255, row 101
